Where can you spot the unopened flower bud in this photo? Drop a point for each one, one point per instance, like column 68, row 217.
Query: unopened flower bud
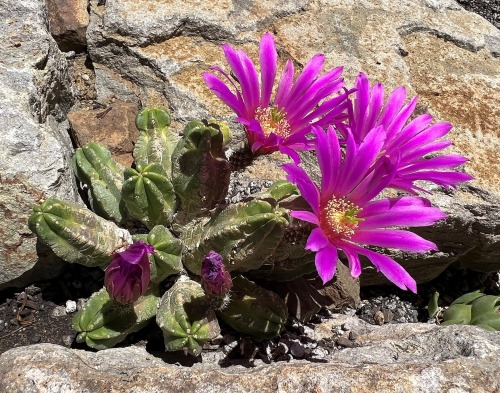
column 127, row 276
column 216, row 281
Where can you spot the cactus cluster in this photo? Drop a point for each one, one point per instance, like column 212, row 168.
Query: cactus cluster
column 179, row 219
column 473, row 308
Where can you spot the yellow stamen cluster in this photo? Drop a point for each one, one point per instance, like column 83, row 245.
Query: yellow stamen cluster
column 338, row 218
column 273, row 121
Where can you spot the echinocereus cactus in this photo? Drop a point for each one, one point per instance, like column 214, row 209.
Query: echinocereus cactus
column 245, row 234
column 149, row 195
column 156, row 141
column 474, row 308
column 198, row 160
column 94, row 167
column 254, row 310
column 102, row 323
column 76, row 234
column 185, row 316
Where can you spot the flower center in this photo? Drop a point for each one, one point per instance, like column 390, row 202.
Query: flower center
column 338, row 218
column 273, row 121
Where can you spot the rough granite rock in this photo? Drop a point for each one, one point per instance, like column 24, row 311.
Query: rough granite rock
column 68, row 21
column 446, row 55
column 35, row 95
column 406, row 358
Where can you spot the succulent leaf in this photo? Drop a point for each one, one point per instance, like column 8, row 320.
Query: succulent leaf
column 244, row 234
column 103, row 323
column 167, row 259
column 103, row 176
column 254, row 310
column 76, row 234
column 149, row 195
column 185, row 318
column 458, row 312
column 201, row 170
column 468, row 298
column 156, row 141
column 433, row 306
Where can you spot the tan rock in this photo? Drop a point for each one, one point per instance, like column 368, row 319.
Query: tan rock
column 68, row 21
column 113, row 127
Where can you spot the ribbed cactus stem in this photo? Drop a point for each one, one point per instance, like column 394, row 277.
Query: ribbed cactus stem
column 156, row 141
column 201, row 171
column 245, row 234
column 254, row 310
column 103, row 323
column 103, row 176
column 76, row 234
column 185, row 317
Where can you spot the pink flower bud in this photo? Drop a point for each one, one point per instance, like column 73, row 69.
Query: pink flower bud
column 127, row 276
column 216, row 281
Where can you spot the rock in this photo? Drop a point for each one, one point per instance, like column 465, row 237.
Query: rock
column 35, row 95
column 413, row 357
column 488, row 9
column 68, row 21
column 113, row 127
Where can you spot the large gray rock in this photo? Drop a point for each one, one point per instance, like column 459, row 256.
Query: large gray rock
column 446, row 55
column 35, row 95
column 397, row 358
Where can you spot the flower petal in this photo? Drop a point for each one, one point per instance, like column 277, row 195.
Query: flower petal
column 393, row 238
column 306, row 186
column 316, row 240
column 326, row 262
column 305, row 216
column 268, row 66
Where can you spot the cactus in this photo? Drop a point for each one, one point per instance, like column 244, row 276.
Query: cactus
column 474, row 308
column 103, row 176
column 245, row 234
column 149, row 195
column 185, row 318
column 167, row 259
column 103, row 323
column 76, row 234
column 200, row 173
column 156, row 142
column 254, row 310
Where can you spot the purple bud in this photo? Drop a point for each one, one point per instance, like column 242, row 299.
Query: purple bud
column 215, row 279
column 127, row 276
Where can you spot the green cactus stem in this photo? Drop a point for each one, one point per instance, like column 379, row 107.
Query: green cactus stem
column 149, row 195
column 103, row 176
column 201, row 171
column 254, row 310
column 185, row 318
column 474, row 308
column 167, row 259
column 103, row 323
column 156, row 141
column 244, row 234
column 76, row 234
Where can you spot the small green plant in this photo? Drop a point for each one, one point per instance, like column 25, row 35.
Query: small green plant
column 474, row 308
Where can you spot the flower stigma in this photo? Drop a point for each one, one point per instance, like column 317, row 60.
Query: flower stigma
column 273, row 121
column 338, row 218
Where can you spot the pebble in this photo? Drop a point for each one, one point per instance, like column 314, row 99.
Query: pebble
column 80, row 303
column 353, row 336
column 344, row 342
column 35, row 338
column 297, row 350
column 2, row 325
column 85, row 77
column 378, row 317
column 67, row 340
column 320, row 352
column 58, row 311
column 70, row 306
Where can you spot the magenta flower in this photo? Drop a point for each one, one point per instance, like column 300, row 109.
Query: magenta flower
column 216, row 281
column 347, row 217
column 127, row 276
column 407, row 143
column 283, row 123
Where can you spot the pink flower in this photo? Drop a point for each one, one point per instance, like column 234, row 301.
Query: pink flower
column 216, row 281
column 407, row 142
column 127, row 276
column 283, row 123
column 347, row 215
